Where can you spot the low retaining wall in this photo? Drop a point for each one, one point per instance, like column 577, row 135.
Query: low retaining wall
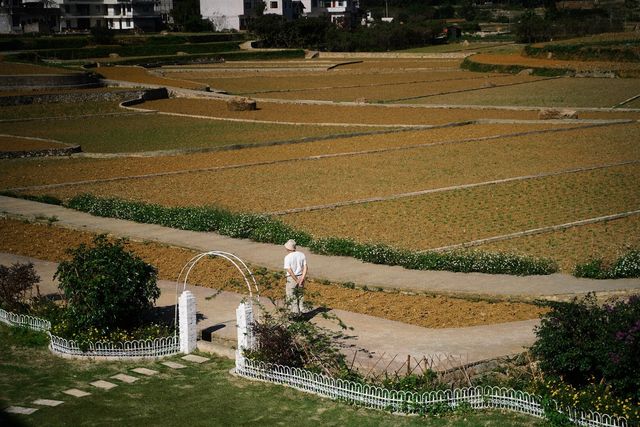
column 46, row 152
column 72, row 97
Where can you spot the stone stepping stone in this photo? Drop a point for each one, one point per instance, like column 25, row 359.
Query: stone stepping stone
column 47, row 402
column 105, row 385
column 195, row 359
column 145, row 371
column 174, row 365
column 76, row 393
column 125, row 378
column 20, row 410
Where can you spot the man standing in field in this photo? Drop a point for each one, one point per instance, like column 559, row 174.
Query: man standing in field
column 295, row 266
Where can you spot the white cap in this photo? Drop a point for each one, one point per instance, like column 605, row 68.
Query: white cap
column 290, row 245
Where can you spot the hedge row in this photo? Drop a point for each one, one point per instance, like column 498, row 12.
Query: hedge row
column 262, row 228
column 628, row 265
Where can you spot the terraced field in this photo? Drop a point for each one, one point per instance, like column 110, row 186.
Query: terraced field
column 561, row 92
column 427, row 174
column 143, row 132
column 442, row 219
column 322, row 180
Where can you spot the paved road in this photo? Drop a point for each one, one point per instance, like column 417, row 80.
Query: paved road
column 388, row 342
column 335, row 269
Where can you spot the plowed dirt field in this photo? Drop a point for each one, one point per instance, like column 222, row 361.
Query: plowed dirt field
column 43, row 171
column 50, row 242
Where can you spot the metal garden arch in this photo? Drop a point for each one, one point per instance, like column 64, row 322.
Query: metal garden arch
column 247, row 274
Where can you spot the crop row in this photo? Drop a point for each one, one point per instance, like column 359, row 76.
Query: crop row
column 565, row 92
column 136, row 133
column 453, row 217
column 401, row 90
column 265, row 188
column 286, row 81
column 362, row 114
column 13, row 174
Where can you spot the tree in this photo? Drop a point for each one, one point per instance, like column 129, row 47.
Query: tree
column 106, row 288
column 186, row 16
column 532, row 28
column 15, row 282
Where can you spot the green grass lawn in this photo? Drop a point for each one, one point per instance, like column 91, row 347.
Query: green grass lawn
column 199, row 395
column 160, row 132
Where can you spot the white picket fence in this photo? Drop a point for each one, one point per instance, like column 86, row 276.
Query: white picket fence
column 159, row 347
column 24, row 320
column 410, row 402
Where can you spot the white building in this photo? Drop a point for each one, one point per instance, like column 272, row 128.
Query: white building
column 233, row 14
column 85, row 14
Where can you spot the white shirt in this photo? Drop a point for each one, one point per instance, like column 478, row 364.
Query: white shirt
column 296, row 262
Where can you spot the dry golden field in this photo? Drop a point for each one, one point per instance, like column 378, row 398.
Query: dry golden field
column 339, row 81
column 362, row 153
column 142, row 75
column 264, row 188
column 558, row 92
column 19, row 173
column 452, row 217
column 50, row 243
column 576, row 245
column 336, row 113
column 153, row 132
column 15, row 68
column 526, row 61
column 11, row 143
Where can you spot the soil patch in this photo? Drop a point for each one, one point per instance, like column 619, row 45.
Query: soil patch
column 50, row 243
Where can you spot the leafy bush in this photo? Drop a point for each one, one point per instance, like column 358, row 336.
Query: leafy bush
column 581, row 340
column 627, row 265
column 106, row 288
column 15, row 282
column 298, row 343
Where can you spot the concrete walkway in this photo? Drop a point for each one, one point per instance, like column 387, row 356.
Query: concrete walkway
column 335, row 269
column 387, row 343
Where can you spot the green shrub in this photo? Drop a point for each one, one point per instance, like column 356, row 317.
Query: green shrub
column 283, row 340
column 627, row 265
column 106, row 288
column 15, row 283
column 581, row 340
column 263, row 228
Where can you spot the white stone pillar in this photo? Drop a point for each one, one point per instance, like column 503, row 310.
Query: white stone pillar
column 244, row 319
column 187, row 321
